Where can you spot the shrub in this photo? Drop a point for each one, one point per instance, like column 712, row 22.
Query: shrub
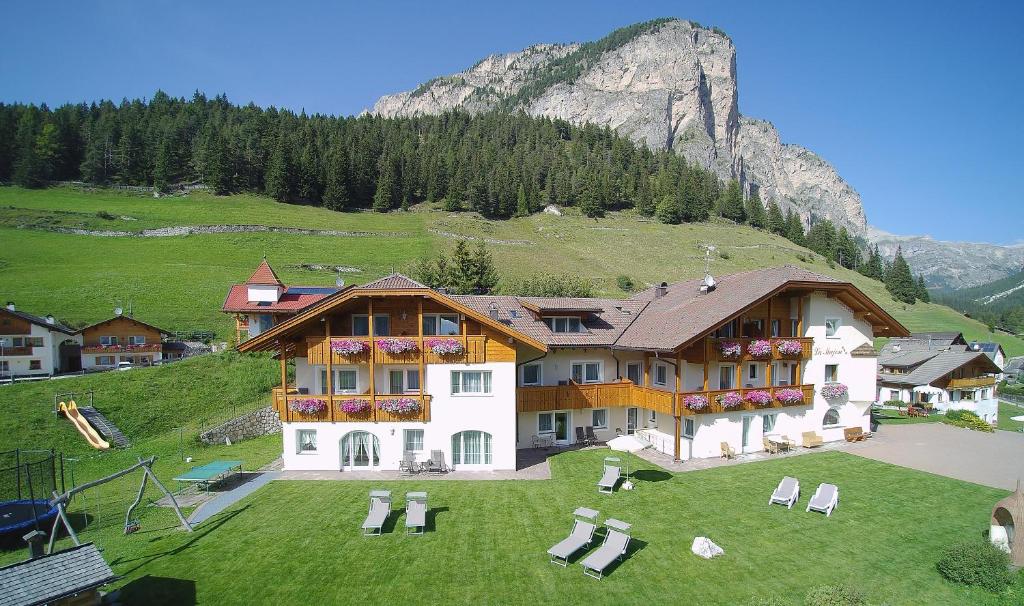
column 967, row 419
column 834, row 595
column 976, row 563
column 894, row 403
column 625, row 283
column 102, row 214
column 724, row 255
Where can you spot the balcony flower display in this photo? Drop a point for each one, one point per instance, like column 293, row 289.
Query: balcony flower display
column 695, row 402
column 398, row 405
column 348, row 347
column 730, row 349
column 789, row 396
column 760, row 348
column 308, row 406
column 759, row 397
column 789, row 347
column 834, row 391
column 729, row 400
column 397, row 346
column 444, row 347
column 354, row 406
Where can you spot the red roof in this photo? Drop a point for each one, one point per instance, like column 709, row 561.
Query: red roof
column 293, row 299
column 264, row 274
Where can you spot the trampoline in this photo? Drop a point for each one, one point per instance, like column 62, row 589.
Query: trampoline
column 20, row 516
column 27, row 480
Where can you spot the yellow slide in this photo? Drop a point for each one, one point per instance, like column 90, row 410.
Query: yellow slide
column 70, row 411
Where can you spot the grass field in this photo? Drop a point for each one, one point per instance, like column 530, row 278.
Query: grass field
column 180, row 282
column 1006, row 411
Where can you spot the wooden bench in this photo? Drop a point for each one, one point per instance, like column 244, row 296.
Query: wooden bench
column 854, row 434
column 812, row 440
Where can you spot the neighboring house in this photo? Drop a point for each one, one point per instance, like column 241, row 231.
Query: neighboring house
column 72, row 577
column 479, row 376
column 32, row 345
column 1014, row 369
column 946, row 374
column 994, row 351
column 120, row 339
column 264, row 301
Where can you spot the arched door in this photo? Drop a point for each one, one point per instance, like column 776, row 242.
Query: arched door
column 471, row 449
column 360, row 450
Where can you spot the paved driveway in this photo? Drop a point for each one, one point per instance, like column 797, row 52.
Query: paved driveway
column 993, row 459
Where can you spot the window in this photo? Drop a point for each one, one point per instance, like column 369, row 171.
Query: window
column 768, row 423
column 545, row 422
column 531, row 374
column 471, row 382
column 344, row 380
column 794, row 328
column 831, row 418
column 660, row 374
column 33, row 341
column 441, row 324
column 564, row 324
column 894, row 394
column 688, row 427
column 15, row 342
column 305, row 440
column 599, row 418
column 726, row 376
column 108, row 340
column 5, row 366
column 635, row 372
column 105, row 360
column 832, row 328
column 776, row 328
column 137, row 340
column 361, row 325
column 35, row 365
column 402, row 381
column 471, row 448
column 586, row 372
column 753, row 328
column 726, row 331
column 652, row 419
column 831, row 373
column 752, row 371
column 413, row 440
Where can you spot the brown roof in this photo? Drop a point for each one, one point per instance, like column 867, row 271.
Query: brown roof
column 129, row 318
column 550, row 305
column 264, row 275
column 394, row 281
column 864, row 350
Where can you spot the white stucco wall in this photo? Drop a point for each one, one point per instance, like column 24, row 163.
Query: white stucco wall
column 48, row 355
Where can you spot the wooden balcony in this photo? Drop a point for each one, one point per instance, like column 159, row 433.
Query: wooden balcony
column 16, row 351
column 715, row 407
column 105, row 349
column 334, row 414
column 714, row 349
column 972, row 383
column 473, row 350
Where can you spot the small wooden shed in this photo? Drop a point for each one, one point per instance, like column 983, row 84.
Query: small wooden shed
column 1009, row 514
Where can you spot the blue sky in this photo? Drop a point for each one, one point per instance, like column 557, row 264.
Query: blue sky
column 917, row 104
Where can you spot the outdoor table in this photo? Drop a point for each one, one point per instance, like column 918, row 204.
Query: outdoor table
column 211, row 473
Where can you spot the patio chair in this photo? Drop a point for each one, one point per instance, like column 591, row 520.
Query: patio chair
column 786, row 493
column 583, row 527
column 825, row 499
column 408, row 463
column 811, row 439
column 380, row 509
column 769, row 446
column 436, row 462
column 728, row 451
column 415, row 512
column 591, row 436
column 581, row 437
column 787, row 442
column 611, row 477
column 616, row 542
column 853, row 434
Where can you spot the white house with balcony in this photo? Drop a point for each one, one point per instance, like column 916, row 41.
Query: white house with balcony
column 33, row 346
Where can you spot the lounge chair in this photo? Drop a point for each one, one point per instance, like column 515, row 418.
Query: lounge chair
column 582, row 534
column 786, row 493
column 811, row 439
column 616, row 541
column 769, row 446
column 380, row 509
column 825, row 499
column 727, row 451
column 591, row 436
column 408, row 463
column 612, row 474
column 415, row 512
column 436, row 463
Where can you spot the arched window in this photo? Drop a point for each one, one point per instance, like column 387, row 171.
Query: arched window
column 831, row 417
column 471, row 448
column 360, row 449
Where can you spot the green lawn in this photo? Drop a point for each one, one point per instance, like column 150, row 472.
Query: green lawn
column 893, row 417
column 1007, row 410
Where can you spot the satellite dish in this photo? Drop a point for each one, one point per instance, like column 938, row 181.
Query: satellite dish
column 711, row 248
column 118, row 311
column 340, row 282
column 709, row 281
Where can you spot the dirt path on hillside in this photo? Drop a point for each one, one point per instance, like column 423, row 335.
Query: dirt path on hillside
column 191, row 230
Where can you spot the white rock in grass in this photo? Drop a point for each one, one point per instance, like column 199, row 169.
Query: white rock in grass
column 551, row 209
column 706, row 548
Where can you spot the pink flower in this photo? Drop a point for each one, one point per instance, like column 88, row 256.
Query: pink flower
column 729, row 400
column 398, row 405
column 308, row 406
column 759, row 397
column 730, row 349
column 444, row 347
column 760, row 348
column 789, row 347
column 834, row 391
column 695, row 402
column 397, row 346
column 789, row 396
column 348, row 347
column 354, row 405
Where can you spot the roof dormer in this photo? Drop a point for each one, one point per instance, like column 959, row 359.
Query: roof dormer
column 263, row 286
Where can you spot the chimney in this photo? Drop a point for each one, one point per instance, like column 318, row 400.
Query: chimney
column 49, row 318
column 10, row 306
column 661, row 290
column 493, row 311
column 35, row 540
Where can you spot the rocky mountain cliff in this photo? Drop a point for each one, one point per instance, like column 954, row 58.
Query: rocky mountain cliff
column 665, row 84
column 952, row 265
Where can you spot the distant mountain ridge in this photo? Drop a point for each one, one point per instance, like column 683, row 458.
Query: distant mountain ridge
column 952, row 265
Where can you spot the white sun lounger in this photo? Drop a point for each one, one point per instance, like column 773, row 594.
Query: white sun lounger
column 616, row 541
column 582, row 534
column 415, row 512
column 611, row 476
column 380, row 509
column 825, row 499
column 787, row 492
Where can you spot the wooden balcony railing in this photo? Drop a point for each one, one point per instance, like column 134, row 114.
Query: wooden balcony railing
column 625, row 394
column 473, row 350
column 124, row 348
column 16, row 351
column 972, row 382
column 281, row 405
column 714, row 349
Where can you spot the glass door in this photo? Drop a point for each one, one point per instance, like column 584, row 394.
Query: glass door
column 562, row 427
column 631, row 419
column 360, row 450
column 748, row 431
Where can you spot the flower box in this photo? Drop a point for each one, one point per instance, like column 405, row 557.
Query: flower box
column 730, row 349
column 760, row 348
column 789, row 347
column 444, row 347
column 354, row 406
column 834, row 391
column 730, row 400
column 308, row 406
column 397, row 346
column 398, row 405
column 789, row 396
column 349, row 347
column 695, row 402
column 759, row 397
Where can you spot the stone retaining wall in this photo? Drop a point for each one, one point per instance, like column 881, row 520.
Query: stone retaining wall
column 257, row 423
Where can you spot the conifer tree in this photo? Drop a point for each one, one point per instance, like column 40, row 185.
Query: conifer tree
column 668, row 210
column 922, row 290
column 590, row 199
column 387, row 185
column 756, row 216
column 336, row 195
column 730, row 204
column 776, row 222
column 522, row 206
column 485, row 277
column 821, row 238
column 463, row 270
column 279, row 170
column 899, row 281
column 795, row 228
